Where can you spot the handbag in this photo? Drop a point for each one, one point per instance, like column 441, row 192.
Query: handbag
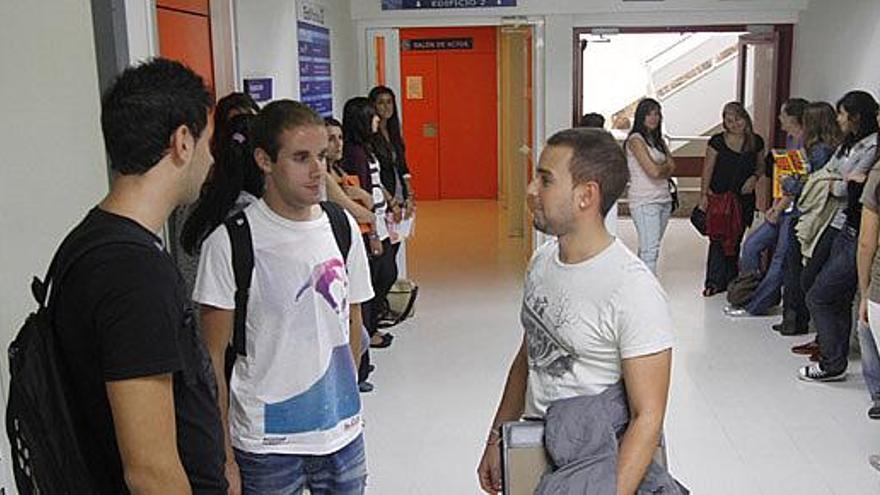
column 673, row 191
column 698, row 220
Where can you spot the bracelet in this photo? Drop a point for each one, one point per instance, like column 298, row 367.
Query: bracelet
column 494, row 437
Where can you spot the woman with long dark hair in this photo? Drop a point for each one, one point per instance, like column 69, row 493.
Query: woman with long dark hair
column 831, row 292
column 237, row 182
column 360, row 123
column 728, row 193
column 650, row 167
column 391, row 152
column 229, row 106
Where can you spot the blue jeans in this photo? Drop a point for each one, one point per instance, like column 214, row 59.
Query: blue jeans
column 651, row 220
column 767, row 293
column 870, row 361
column 762, row 239
column 341, row 473
column 830, row 300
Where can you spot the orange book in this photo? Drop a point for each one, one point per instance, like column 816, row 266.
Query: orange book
column 786, row 163
column 354, row 180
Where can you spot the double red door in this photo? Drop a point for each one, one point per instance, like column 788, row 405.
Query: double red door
column 450, row 112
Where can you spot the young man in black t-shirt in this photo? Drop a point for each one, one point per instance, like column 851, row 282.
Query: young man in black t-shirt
column 141, row 388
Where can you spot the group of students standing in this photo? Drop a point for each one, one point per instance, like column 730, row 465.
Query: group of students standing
column 258, row 390
column 817, row 247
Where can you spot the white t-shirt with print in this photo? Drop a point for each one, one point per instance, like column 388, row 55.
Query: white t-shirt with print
column 380, row 207
column 581, row 320
column 296, row 390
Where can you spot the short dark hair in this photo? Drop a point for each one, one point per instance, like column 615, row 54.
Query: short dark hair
column 592, row 119
column 277, row 117
column 143, row 108
column 595, row 157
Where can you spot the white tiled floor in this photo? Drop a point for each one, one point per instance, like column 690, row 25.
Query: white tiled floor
column 739, row 422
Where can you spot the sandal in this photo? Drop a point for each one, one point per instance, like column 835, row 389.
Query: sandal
column 711, row 291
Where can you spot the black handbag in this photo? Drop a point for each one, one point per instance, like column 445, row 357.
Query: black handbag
column 673, row 191
column 698, row 220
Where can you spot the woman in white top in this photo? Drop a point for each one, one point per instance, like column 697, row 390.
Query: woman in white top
column 650, row 167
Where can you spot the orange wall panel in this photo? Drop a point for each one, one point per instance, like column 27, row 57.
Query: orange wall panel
column 196, row 6
column 187, row 39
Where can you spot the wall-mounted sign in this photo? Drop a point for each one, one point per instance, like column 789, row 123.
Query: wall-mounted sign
column 438, row 44
column 315, row 80
column 414, row 88
column 311, row 12
column 260, row 88
column 444, row 4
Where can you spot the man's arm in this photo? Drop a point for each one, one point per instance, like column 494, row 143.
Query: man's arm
column 217, row 333
column 146, row 434
column 510, row 409
column 647, row 387
column 355, row 322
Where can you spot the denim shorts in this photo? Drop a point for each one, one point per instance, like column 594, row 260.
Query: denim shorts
column 341, row 473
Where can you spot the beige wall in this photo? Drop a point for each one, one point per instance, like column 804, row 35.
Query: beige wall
column 52, row 165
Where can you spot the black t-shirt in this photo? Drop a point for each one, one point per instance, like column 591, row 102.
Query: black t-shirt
column 733, row 168
column 122, row 313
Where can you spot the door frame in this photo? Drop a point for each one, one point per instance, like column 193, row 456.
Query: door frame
column 782, row 90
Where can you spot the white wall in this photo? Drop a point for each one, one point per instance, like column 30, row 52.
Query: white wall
column 267, row 46
column 836, row 49
column 52, row 168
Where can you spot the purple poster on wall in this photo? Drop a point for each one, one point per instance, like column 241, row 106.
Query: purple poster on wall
column 444, row 4
column 315, row 80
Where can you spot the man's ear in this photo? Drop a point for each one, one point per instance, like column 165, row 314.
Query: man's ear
column 182, row 146
column 587, row 195
column 263, row 160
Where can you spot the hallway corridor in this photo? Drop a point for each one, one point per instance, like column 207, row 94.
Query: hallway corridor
column 738, row 421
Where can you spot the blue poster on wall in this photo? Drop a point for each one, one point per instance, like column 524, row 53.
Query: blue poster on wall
column 444, row 4
column 315, row 80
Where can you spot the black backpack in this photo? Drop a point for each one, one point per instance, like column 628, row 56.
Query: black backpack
column 243, row 268
column 46, row 455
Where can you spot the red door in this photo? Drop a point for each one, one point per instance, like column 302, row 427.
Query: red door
column 450, row 113
column 420, row 123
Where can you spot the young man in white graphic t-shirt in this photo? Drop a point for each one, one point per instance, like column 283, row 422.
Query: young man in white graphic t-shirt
column 593, row 314
column 293, row 413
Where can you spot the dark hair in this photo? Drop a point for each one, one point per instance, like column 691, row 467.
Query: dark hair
column 331, row 122
column 862, row 108
column 145, row 106
column 739, row 110
column 357, row 122
column 393, row 124
column 234, row 171
column 820, row 125
column 233, row 102
column 794, row 107
column 596, row 157
column 653, row 138
column 592, row 119
column 277, row 117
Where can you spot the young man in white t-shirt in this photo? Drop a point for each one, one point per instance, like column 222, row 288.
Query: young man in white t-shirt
column 592, row 312
column 293, row 414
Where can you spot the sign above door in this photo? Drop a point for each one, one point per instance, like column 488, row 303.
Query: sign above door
column 444, row 4
column 431, row 44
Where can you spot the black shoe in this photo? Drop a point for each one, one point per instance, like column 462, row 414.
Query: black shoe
column 793, row 329
column 778, row 327
column 365, row 387
column 874, row 411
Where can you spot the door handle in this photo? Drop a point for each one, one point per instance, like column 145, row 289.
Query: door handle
column 429, row 129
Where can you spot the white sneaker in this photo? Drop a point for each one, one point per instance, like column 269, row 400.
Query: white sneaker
column 735, row 312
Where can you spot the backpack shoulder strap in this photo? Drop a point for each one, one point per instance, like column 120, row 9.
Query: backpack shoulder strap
column 243, row 268
column 72, row 249
column 340, row 225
